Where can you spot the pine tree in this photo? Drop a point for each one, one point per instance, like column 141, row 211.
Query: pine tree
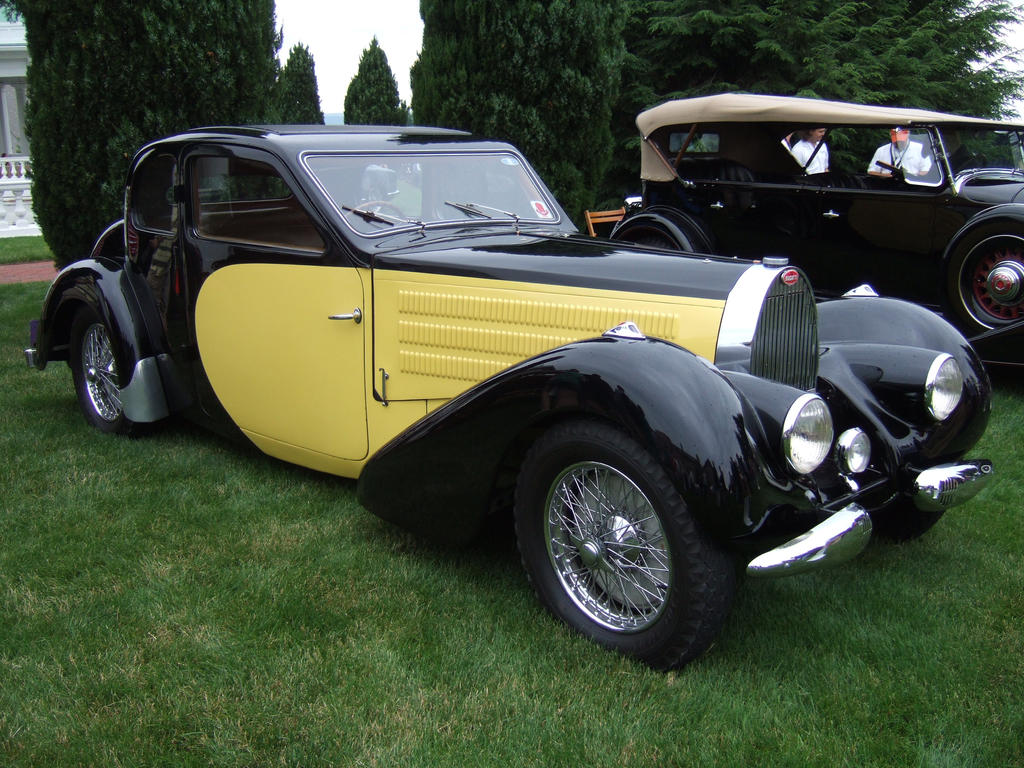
column 914, row 53
column 541, row 75
column 372, row 96
column 298, row 99
column 105, row 76
column 934, row 54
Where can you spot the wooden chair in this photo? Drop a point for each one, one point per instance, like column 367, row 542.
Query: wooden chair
column 602, row 217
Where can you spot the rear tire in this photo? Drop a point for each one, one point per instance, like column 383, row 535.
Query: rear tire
column 986, row 280
column 612, row 550
column 97, row 374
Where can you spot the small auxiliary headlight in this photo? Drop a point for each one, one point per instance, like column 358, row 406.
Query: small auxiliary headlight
column 853, row 451
column 944, row 387
column 807, row 433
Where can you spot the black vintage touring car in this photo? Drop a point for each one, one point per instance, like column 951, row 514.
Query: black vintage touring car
column 412, row 308
column 922, row 205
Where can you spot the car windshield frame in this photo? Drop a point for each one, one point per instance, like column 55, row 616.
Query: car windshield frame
column 969, row 152
column 380, row 193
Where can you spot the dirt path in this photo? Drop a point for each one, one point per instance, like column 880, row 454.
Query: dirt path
column 30, row 272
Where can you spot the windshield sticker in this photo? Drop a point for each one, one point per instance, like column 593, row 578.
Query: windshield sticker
column 541, row 210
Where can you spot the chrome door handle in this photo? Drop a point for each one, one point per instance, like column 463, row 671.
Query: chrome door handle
column 355, row 314
column 717, row 205
column 830, row 214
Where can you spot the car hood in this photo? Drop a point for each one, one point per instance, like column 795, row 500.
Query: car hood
column 993, row 187
column 570, row 260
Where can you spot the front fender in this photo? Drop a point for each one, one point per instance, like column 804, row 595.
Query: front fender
column 688, row 233
column 874, row 319
column 439, row 476
column 876, row 352
column 1006, row 218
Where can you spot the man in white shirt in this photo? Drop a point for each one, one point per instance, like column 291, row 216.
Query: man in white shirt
column 901, row 153
column 804, row 148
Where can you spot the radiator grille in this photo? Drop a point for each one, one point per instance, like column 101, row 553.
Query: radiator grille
column 785, row 344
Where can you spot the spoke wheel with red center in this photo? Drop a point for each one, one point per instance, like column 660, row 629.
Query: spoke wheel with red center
column 987, row 289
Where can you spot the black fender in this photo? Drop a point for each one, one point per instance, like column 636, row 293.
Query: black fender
column 439, row 477
column 1010, row 215
column 111, row 243
column 876, row 353
column 102, row 285
column 98, row 284
column 1001, row 346
column 684, row 230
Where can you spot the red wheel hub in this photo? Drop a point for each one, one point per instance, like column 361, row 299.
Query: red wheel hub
column 998, row 283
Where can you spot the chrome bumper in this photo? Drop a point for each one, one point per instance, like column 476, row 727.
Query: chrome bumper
column 841, row 537
column 946, row 485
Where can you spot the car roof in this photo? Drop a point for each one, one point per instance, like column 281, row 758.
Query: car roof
column 749, row 107
column 290, row 141
column 760, row 108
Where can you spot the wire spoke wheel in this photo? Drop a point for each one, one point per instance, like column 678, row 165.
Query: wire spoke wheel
column 607, row 546
column 612, row 550
column 101, row 374
column 991, row 282
column 97, row 373
column 996, row 283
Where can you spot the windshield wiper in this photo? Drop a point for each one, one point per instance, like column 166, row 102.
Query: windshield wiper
column 480, row 209
column 380, row 218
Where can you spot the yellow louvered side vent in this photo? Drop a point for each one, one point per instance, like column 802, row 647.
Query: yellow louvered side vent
column 565, row 316
column 435, row 341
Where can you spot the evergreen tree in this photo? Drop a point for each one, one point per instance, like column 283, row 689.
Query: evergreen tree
column 541, row 75
column 298, row 99
column 372, row 96
column 105, row 76
column 914, row 53
column 946, row 55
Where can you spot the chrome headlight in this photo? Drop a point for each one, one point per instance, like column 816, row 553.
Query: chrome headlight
column 807, row 433
column 943, row 387
column 853, row 451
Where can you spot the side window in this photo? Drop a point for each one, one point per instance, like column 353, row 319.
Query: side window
column 152, row 190
column 245, row 201
column 695, row 143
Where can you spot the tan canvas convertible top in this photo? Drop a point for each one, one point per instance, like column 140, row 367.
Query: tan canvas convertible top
column 757, row 108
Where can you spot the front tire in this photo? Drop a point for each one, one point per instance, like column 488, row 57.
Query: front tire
column 97, row 374
column 612, row 550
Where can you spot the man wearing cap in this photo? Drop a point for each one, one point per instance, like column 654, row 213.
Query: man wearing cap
column 901, row 153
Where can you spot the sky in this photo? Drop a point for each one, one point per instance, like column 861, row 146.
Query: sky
column 337, row 33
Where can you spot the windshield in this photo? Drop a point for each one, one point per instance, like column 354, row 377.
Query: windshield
column 973, row 148
column 376, row 194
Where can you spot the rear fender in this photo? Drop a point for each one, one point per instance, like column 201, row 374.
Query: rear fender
column 101, row 285
column 439, row 477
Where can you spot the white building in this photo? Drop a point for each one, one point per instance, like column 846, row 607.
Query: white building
column 16, row 217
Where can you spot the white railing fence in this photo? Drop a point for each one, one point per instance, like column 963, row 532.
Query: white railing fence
column 16, row 216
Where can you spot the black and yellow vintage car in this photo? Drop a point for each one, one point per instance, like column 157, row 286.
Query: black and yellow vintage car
column 412, row 308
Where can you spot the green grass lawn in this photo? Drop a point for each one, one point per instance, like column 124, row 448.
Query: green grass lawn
column 14, row 250
column 178, row 600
